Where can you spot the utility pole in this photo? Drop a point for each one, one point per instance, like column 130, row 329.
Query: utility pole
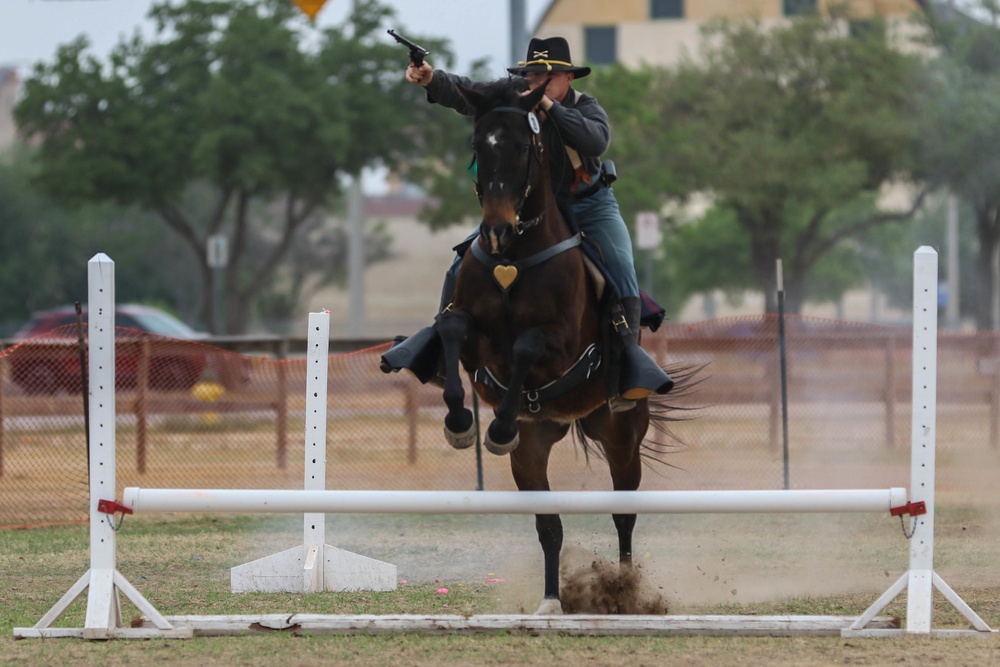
column 518, row 31
column 356, row 259
column 356, row 251
column 951, row 310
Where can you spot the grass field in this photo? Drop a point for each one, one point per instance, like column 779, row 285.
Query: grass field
column 773, row 564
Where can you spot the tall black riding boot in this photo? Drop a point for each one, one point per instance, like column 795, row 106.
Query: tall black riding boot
column 639, row 376
column 421, row 352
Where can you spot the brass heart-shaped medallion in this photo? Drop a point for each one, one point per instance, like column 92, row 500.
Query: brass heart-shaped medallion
column 505, row 275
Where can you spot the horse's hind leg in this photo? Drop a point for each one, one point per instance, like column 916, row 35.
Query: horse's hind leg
column 529, row 465
column 459, row 427
column 620, row 435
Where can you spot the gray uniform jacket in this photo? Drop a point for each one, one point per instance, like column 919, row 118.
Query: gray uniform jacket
column 578, row 121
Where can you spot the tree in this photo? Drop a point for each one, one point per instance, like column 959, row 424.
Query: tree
column 441, row 159
column 44, row 249
column 629, row 98
column 227, row 122
column 958, row 104
column 794, row 129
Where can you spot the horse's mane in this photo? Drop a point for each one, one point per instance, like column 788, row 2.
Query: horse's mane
column 501, row 92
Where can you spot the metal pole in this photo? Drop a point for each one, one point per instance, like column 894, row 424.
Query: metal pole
column 784, row 373
column 479, row 442
column 220, row 311
column 356, row 260
column 649, row 270
column 952, row 311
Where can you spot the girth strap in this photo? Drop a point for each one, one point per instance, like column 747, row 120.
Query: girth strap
column 533, row 399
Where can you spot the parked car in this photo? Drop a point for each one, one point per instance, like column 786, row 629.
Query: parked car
column 50, row 360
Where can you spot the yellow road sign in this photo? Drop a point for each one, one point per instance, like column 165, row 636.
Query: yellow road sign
column 310, row 7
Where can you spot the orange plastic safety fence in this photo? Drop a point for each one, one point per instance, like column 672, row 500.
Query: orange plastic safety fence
column 191, row 415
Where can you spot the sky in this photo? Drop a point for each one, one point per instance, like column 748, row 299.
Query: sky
column 30, row 30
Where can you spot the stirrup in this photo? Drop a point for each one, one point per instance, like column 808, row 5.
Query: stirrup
column 621, row 404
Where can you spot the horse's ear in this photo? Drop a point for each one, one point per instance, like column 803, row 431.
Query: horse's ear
column 531, row 100
column 475, row 99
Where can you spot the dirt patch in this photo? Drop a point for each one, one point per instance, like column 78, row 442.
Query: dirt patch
column 604, row 587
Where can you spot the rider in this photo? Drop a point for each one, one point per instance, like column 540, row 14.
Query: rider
column 577, row 121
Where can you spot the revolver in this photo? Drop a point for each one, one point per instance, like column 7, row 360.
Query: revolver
column 417, row 53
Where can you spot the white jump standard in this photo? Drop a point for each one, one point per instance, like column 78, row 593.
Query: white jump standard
column 105, row 582
column 313, row 566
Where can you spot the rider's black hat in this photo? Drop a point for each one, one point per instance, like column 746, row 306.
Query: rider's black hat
column 548, row 55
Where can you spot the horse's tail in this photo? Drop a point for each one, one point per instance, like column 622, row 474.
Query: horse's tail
column 663, row 412
column 669, row 409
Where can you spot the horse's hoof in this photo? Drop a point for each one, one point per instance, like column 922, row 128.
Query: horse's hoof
column 501, row 448
column 550, row 607
column 461, row 440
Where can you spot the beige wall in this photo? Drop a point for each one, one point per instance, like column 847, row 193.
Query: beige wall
column 665, row 42
column 656, row 43
column 602, row 12
column 596, row 12
column 702, row 10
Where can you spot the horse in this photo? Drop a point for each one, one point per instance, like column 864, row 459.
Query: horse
column 526, row 324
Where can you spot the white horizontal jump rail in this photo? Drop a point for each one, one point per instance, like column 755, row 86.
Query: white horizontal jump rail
column 512, row 502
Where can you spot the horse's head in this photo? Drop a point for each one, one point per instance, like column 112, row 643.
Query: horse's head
column 508, row 151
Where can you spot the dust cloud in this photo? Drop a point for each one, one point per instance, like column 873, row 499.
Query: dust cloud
column 604, row 587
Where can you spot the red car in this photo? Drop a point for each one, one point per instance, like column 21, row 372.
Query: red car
column 50, row 360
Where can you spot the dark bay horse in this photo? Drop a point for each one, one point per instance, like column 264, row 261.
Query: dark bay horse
column 525, row 323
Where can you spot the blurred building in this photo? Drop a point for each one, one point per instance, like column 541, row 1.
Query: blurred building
column 660, row 32
column 8, row 97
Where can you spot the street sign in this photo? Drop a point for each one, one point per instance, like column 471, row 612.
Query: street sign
column 217, row 251
column 310, row 7
column 647, row 230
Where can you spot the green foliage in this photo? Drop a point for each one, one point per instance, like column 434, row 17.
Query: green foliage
column 627, row 96
column 44, row 248
column 237, row 118
column 442, row 162
column 957, row 102
column 794, row 129
column 712, row 254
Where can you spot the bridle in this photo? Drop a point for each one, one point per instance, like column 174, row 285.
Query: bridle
column 506, row 272
column 537, row 150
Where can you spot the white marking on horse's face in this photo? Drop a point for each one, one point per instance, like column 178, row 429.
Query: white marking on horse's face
column 493, row 140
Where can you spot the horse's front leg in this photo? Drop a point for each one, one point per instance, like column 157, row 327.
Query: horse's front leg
column 501, row 436
column 459, row 427
column 529, row 465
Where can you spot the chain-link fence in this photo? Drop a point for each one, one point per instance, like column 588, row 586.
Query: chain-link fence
column 193, row 416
